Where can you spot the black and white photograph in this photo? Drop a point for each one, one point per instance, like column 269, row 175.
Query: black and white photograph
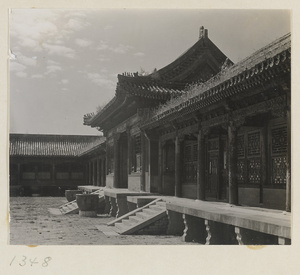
column 139, row 138
column 149, row 127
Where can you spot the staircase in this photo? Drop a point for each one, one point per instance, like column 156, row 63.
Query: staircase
column 72, row 207
column 141, row 218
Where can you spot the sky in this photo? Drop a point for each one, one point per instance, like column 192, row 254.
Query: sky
column 64, row 63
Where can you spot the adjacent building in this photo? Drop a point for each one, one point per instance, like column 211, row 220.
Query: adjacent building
column 50, row 164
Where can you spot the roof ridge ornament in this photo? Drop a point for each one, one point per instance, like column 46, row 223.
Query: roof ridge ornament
column 203, row 33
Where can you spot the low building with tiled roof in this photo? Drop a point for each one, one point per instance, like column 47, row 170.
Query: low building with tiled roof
column 35, row 145
column 53, row 163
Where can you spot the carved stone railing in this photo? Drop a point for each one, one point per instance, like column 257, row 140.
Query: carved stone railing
column 210, row 223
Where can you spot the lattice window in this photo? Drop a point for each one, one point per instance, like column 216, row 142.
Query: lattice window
column 190, row 173
column 279, row 170
column 249, row 162
column 279, row 148
column 190, row 162
column 195, row 152
column 254, row 170
column 254, row 144
column 241, row 146
column 188, row 153
column 279, row 140
column 213, row 144
column 43, row 175
column 241, row 171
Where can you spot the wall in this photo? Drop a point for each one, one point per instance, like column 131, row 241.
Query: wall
column 134, row 182
column 189, row 191
column 110, row 181
column 249, row 196
column 169, row 184
column 274, row 198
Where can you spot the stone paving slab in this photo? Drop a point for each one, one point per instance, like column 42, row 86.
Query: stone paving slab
column 32, row 224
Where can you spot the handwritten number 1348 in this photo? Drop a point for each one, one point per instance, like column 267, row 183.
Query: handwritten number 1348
column 26, row 261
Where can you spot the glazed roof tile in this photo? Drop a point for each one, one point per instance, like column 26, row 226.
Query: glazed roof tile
column 168, row 82
column 52, row 145
column 277, row 52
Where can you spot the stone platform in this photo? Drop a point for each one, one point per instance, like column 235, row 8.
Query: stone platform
column 116, row 200
column 89, row 188
column 245, row 225
column 140, row 201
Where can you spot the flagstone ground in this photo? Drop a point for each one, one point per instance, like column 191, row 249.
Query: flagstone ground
column 31, row 223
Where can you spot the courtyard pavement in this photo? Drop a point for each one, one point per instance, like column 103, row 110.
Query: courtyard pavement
column 31, row 223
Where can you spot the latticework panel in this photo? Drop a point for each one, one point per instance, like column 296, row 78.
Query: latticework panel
column 279, row 170
column 254, row 170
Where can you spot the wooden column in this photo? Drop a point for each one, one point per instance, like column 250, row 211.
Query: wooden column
column 116, row 160
column 104, row 169
column 90, row 173
column 148, row 152
column 70, row 171
column 101, row 171
column 129, row 155
column 19, row 174
column 232, row 163
column 95, row 172
column 178, row 167
column 160, row 166
column 98, row 172
column 201, row 167
column 53, row 173
column 288, row 163
column 143, row 161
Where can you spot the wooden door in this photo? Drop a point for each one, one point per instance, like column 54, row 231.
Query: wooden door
column 169, row 169
column 123, row 183
column 213, row 175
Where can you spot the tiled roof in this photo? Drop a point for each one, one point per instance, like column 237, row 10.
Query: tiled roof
column 52, row 145
column 229, row 81
column 150, row 89
column 168, row 82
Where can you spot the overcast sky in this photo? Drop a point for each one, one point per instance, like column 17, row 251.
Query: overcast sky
column 64, row 63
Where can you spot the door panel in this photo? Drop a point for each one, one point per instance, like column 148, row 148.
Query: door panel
column 213, row 175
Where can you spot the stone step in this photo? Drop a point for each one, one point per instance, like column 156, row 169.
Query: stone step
column 130, row 228
column 129, row 223
column 120, row 227
column 161, row 203
column 157, row 207
column 69, row 208
column 136, row 219
column 143, row 215
column 151, row 211
column 72, row 207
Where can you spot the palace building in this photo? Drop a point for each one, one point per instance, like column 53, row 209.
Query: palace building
column 201, row 146
column 202, row 132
